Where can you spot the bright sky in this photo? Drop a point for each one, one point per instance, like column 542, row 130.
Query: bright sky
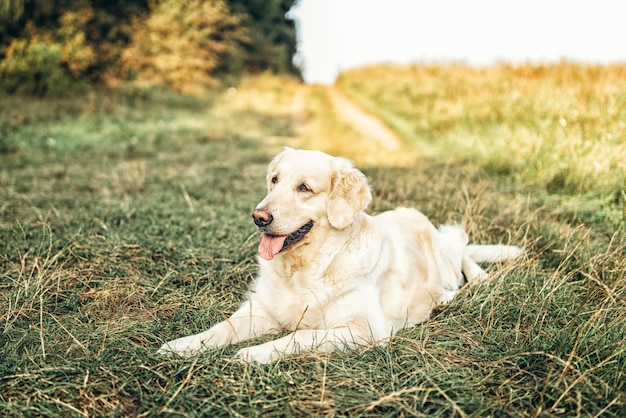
column 339, row 34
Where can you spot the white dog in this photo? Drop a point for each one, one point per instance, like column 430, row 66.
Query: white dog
column 333, row 275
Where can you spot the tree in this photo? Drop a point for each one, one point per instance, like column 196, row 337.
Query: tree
column 46, row 45
column 272, row 35
column 180, row 43
column 50, row 47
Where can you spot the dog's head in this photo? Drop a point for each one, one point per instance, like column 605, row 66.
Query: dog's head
column 307, row 190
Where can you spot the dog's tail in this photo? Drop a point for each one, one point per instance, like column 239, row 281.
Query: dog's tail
column 492, row 253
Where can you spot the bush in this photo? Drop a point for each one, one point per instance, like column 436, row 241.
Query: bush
column 32, row 66
column 53, row 47
column 181, row 43
column 49, row 62
column 77, row 55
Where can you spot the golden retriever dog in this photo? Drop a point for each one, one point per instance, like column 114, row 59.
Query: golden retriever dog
column 334, row 276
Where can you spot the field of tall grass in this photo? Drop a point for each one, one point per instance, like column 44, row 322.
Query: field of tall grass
column 562, row 126
column 125, row 222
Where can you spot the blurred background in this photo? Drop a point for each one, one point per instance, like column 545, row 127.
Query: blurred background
column 52, row 46
column 337, row 35
column 55, row 47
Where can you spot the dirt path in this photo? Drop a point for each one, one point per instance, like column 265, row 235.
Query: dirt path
column 298, row 112
column 325, row 119
column 366, row 123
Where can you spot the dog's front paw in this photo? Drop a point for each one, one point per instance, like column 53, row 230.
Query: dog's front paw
column 186, row 346
column 259, row 353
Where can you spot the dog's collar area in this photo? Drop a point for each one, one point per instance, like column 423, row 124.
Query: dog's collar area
column 297, row 236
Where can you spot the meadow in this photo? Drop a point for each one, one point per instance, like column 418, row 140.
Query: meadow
column 561, row 125
column 125, row 222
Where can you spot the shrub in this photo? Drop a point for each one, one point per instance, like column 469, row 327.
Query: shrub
column 77, row 55
column 180, row 43
column 49, row 62
column 33, row 66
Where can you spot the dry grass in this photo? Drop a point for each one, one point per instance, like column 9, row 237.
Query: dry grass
column 324, row 127
column 112, row 243
column 562, row 126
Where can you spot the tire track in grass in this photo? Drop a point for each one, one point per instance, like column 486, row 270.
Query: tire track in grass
column 324, row 118
column 367, row 124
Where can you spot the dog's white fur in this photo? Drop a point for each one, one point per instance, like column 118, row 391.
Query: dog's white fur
column 354, row 278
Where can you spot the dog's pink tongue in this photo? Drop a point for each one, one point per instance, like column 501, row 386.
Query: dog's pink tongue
column 270, row 246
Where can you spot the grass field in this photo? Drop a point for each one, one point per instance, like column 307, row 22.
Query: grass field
column 562, row 126
column 125, row 222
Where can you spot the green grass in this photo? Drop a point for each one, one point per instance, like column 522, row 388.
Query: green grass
column 133, row 227
column 561, row 126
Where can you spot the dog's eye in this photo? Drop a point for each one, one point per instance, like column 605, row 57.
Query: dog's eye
column 304, row 188
column 274, row 180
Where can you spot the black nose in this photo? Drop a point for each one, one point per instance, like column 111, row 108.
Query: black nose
column 262, row 217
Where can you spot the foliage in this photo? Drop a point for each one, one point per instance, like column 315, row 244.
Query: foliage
column 124, row 222
column 180, row 43
column 46, row 46
column 49, row 62
column 272, row 35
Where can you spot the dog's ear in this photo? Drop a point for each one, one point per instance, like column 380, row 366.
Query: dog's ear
column 349, row 195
